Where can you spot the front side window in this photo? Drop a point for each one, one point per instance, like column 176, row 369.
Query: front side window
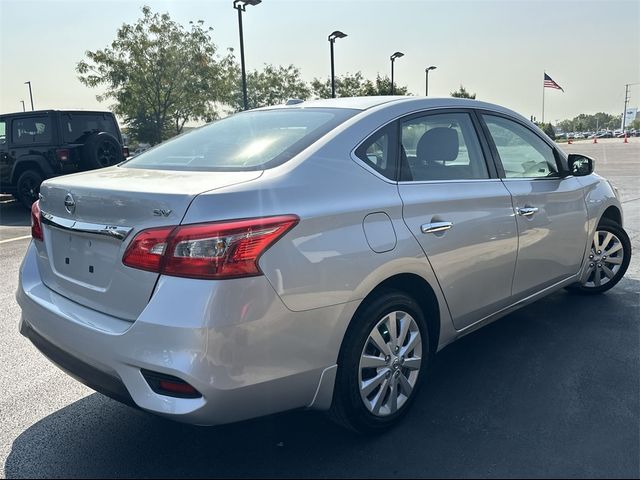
column 523, row 154
column 27, row 131
column 252, row 140
column 442, row 147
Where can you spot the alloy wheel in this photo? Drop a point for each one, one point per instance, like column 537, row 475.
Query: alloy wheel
column 605, row 259
column 390, row 363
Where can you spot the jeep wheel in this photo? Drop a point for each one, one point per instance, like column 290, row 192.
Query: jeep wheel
column 28, row 187
column 102, row 150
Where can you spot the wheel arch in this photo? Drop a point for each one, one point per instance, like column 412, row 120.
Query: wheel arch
column 33, row 162
column 421, row 291
column 612, row 213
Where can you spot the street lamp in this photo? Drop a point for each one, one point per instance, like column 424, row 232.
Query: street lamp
column 426, row 79
column 30, row 94
column 393, row 58
column 332, row 39
column 241, row 6
column 23, row 109
column 626, row 101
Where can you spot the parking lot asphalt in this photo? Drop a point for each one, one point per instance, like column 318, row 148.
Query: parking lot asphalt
column 552, row 390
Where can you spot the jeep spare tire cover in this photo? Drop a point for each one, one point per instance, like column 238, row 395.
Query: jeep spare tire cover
column 101, row 150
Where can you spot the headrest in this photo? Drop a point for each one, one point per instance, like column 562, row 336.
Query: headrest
column 440, row 144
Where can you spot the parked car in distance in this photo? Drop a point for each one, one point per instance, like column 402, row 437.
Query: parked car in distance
column 43, row 144
column 315, row 255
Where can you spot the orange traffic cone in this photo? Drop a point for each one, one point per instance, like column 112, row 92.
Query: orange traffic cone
column 625, row 138
column 595, row 139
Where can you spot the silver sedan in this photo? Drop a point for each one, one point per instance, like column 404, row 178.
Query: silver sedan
column 315, row 255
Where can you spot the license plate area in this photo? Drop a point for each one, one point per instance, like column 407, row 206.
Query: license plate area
column 84, row 258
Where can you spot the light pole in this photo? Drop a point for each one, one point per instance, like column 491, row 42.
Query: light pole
column 332, row 39
column 23, row 109
column 30, row 93
column 393, row 59
column 241, row 6
column 426, row 79
column 626, row 101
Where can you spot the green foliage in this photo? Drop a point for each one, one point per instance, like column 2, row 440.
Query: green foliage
column 160, row 75
column 548, row 129
column 462, row 93
column 271, row 86
column 635, row 125
column 591, row 123
column 355, row 86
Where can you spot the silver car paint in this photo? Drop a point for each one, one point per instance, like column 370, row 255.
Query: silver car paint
column 552, row 242
column 259, row 345
column 114, row 196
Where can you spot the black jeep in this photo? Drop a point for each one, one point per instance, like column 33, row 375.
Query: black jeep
column 38, row 145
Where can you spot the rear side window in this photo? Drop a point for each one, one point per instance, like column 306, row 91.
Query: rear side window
column 378, row 152
column 77, row 126
column 252, row 140
column 32, row 130
column 523, row 154
column 442, row 147
column 3, row 132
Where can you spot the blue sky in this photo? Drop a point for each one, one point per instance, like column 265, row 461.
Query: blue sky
column 497, row 49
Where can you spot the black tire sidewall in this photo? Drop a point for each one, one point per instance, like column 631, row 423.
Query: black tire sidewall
column 347, row 381
column 36, row 178
column 91, row 146
column 618, row 231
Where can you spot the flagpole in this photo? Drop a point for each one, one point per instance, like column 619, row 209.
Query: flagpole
column 544, row 73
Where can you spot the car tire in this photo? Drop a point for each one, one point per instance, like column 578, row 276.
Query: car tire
column 608, row 260
column 355, row 405
column 101, row 150
column 28, row 187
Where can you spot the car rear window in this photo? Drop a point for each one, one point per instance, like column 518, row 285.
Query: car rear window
column 77, row 126
column 246, row 141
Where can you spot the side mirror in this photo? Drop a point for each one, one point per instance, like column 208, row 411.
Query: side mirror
column 580, row 165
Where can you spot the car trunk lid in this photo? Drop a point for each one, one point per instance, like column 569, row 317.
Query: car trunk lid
column 90, row 218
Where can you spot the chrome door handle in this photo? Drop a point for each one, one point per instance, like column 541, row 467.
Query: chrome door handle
column 527, row 211
column 436, row 227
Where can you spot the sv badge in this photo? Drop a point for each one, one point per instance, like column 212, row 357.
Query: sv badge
column 161, row 212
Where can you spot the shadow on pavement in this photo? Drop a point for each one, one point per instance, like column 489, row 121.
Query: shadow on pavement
column 12, row 213
column 551, row 390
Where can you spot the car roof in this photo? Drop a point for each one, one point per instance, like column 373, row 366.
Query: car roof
column 41, row 112
column 411, row 102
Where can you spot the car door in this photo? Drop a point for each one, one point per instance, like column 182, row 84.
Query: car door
column 459, row 211
column 550, row 209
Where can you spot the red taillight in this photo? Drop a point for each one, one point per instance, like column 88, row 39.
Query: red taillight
column 209, row 251
column 36, row 224
column 147, row 249
column 63, row 154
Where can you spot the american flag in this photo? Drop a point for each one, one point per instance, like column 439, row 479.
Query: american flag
column 549, row 83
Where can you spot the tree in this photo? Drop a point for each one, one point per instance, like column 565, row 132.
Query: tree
column 382, row 86
column 160, row 75
column 355, row 86
column 548, row 129
column 462, row 93
column 272, row 85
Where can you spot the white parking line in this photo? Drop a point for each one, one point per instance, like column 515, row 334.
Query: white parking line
column 15, row 239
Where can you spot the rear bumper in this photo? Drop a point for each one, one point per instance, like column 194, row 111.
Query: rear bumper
column 234, row 341
column 107, row 384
